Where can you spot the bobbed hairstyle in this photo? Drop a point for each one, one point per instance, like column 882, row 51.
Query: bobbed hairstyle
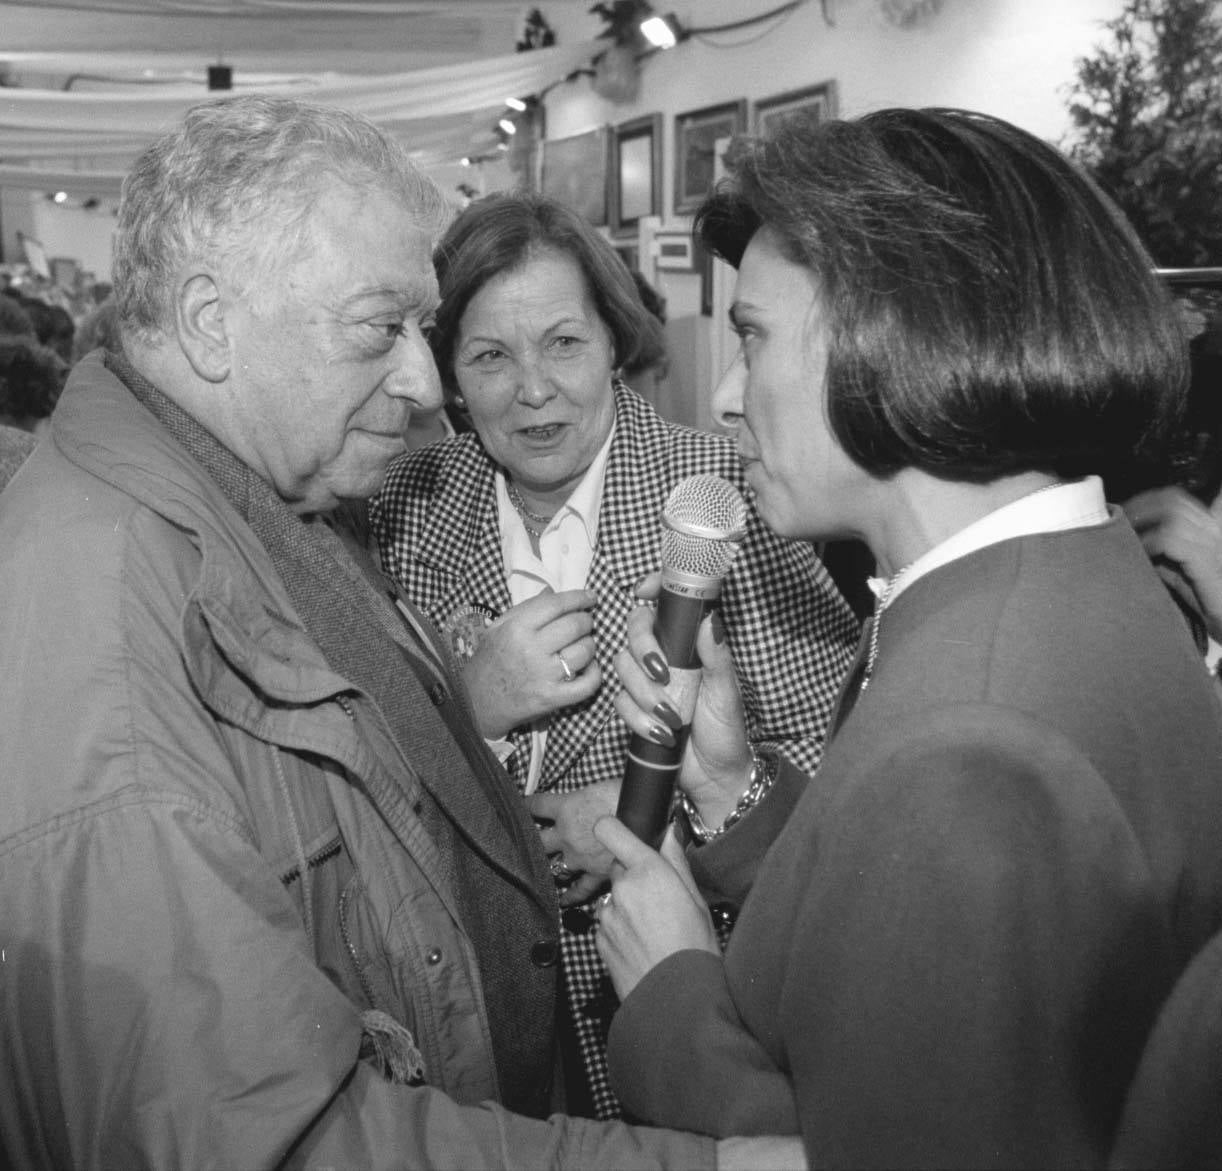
column 500, row 233
column 235, row 184
column 987, row 309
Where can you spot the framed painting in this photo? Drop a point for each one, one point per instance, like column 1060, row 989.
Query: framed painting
column 575, row 173
column 771, row 112
column 636, row 172
column 696, row 134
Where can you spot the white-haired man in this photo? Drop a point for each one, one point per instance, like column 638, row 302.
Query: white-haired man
column 265, row 896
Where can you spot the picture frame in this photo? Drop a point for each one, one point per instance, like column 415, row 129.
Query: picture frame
column 696, row 132
column 769, row 113
column 574, row 172
column 636, row 172
column 674, row 251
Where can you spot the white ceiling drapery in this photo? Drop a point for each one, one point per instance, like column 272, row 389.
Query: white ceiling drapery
column 51, row 139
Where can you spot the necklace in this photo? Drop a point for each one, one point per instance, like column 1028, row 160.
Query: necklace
column 875, row 622
column 531, row 521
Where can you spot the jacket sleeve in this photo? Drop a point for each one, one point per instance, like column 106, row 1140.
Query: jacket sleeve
column 678, row 1051
column 162, row 1007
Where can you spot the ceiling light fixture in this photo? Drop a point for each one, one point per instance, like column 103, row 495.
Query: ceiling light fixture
column 662, row 32
column 508, row 126
column 516, row 104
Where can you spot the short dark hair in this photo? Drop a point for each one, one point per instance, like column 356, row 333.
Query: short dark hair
column 499, row 233
column 989, row 311
column 31, row 379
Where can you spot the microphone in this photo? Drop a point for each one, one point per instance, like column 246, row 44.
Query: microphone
column 703, row 524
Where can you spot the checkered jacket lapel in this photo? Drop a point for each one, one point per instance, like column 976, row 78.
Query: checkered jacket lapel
column 634, row 492
column 436, row 524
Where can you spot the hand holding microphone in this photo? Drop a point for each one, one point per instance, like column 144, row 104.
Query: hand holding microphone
column 703, row 524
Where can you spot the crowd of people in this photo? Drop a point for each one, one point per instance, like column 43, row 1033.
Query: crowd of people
column 313, row 732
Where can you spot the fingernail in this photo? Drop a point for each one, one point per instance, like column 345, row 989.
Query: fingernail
column 661, row 735
column 659, row 672
column 719, row 628
column 636, row 589
column 668, row 716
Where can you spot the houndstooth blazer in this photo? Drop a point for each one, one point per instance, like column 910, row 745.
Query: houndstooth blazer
column 791, row 633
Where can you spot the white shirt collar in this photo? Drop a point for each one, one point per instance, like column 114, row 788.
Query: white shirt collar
column 1054, row 509
column 584, row 503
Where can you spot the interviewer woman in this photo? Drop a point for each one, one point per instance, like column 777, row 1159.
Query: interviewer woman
column 954, row 950
column 525, row 541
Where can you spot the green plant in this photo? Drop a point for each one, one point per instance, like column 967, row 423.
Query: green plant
column 1147, row 115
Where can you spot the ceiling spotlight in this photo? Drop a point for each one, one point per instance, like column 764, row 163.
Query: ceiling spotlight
column 507, row 125
column 60, row 197
column 516, row 104
column 663, row 32
column 465, row 160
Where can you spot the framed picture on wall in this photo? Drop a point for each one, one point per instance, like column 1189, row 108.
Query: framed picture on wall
column 575, row 173
column 696, row 133
column 771, row 112
column 636, row 172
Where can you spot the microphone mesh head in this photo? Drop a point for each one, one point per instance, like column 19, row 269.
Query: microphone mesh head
column 703, row 523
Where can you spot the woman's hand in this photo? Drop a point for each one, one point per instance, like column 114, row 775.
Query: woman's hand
column 517, row 672
column 570, row 833
column 1175, row 526
column 717, row 763
column 654, row 909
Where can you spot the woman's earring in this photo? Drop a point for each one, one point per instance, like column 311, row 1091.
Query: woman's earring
column 460, row 402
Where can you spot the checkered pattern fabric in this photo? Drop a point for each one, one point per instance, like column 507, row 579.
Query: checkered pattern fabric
column 791, row 633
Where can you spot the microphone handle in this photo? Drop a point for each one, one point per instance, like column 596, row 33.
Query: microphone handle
column 651, row 770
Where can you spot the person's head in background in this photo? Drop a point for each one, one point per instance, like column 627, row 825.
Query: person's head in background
column 649, row 369
column 14, row 320
column 538, row 312
column 31, row 379
column 273, row 274
column 98, row 329
column 967, row 304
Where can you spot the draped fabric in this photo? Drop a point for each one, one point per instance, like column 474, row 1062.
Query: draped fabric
column 441, row 113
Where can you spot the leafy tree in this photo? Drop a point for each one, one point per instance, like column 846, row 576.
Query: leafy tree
column 1147, row 117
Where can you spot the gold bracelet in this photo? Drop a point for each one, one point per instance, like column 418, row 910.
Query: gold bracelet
column 764, row 768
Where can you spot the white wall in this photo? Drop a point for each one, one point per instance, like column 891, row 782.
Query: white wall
column 1011, row 58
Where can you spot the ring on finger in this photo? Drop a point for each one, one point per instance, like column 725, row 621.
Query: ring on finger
column 569, row 673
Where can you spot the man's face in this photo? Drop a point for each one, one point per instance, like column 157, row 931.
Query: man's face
column 329, row 363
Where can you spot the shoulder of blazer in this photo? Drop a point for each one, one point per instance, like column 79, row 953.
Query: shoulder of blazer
column 433, row 504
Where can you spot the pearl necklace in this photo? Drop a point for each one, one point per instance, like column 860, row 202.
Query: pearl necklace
column 531, row 521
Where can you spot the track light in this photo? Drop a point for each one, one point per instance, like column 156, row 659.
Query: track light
column 507, row 125
column 662, row 32
column 516, row 104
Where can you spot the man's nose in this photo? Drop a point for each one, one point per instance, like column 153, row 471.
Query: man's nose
column 415, row 375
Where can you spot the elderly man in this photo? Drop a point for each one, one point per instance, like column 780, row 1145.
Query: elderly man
column 265, row 896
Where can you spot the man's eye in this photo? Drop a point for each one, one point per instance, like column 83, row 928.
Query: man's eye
column 390, row 329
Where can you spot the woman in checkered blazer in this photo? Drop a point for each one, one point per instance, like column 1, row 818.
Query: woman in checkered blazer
column 524, row 541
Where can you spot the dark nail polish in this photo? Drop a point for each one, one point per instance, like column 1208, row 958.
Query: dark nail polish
column 719, row 628
column 661, row 735
column 657, row 668
column 668, row 716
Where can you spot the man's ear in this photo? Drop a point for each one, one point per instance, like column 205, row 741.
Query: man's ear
column 199, row 318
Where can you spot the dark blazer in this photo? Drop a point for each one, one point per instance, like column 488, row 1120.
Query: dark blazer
column 955, row 949
column 791, row 633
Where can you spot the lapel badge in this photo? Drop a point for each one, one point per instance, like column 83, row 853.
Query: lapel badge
column 465, row 627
